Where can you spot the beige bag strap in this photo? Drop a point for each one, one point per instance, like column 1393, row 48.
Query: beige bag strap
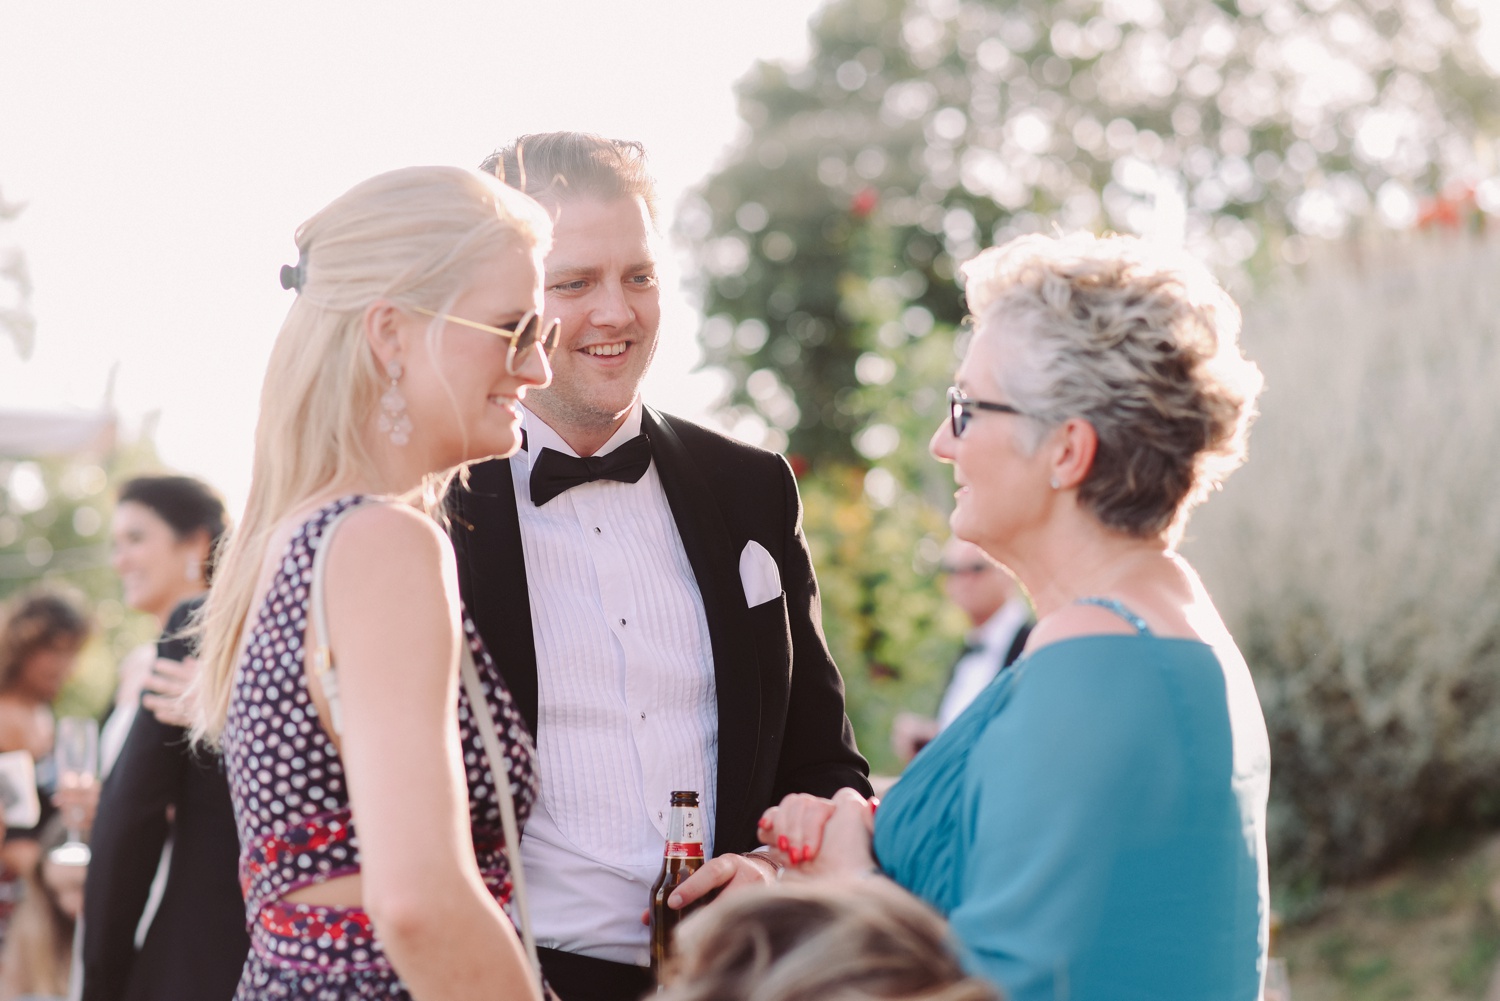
column 322, row 669
column 479, row 707
column 321, row 666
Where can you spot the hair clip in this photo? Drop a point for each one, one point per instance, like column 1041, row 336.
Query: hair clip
column 295, row 277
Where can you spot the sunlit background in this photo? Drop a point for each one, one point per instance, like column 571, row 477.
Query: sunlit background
column 825, row 167
column 164, row 153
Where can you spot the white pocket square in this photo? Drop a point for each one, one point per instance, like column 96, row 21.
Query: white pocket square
column 758, row 575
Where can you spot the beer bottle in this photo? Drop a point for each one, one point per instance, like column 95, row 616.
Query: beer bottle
column 682, row 858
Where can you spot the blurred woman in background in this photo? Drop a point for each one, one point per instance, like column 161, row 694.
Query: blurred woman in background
column 1094, row 823
column 163, row 535
column 164, row 804
column 37, row 960
column 40, row 640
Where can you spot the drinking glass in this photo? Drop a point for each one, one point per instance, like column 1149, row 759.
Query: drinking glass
column 76, row 754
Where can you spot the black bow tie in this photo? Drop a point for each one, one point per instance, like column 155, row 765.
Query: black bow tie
column 553, row 472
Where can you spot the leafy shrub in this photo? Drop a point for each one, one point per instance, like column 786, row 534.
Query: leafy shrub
column 1357, row 556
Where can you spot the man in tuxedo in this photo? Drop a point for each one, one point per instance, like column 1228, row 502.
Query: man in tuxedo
column 645, row 588
column 1000, row 622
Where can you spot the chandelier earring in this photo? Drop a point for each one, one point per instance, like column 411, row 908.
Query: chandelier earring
column 394, row 419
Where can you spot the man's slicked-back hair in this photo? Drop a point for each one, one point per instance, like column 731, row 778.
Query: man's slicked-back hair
column 566, row 164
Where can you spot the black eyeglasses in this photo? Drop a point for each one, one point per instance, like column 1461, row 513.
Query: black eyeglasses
column 531, row 330
column 961, row 410
column 964, row 569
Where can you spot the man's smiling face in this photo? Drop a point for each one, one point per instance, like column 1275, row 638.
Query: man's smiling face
column 602, row 283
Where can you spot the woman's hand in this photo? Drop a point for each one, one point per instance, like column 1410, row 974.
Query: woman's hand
column 813, row 836
column 165, row 688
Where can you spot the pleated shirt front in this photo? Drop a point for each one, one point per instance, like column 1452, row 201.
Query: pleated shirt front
column 626, row 710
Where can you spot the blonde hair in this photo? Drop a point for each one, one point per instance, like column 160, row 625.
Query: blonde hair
column 1139, row 341
column 410, row 236
column 854, row 940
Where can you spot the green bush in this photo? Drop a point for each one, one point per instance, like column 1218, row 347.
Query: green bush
column 1357, row 556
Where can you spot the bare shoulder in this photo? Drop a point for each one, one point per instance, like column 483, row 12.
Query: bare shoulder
column 378, row 538
column 1075, row 621
column 391, row 584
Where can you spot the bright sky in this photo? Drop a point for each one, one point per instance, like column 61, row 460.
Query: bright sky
column 166, row 150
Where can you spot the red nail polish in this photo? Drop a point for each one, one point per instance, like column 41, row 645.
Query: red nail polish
column 763, row 822
column 784, row 844
column 796, row 854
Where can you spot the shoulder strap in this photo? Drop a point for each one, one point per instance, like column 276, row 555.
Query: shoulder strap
column 1118, row 607
column 322, row 669
column 479, row 706
column 321, row 666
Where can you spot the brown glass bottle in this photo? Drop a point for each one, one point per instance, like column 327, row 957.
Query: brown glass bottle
column 683, row 857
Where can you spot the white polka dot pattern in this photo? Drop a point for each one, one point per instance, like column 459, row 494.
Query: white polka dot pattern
column 292, row 808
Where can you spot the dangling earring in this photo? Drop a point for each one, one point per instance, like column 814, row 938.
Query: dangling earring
column 394, row 420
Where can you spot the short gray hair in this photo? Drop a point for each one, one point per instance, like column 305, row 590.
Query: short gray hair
column 1139, row 341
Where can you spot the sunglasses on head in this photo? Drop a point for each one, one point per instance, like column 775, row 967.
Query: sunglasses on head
column 530, row 330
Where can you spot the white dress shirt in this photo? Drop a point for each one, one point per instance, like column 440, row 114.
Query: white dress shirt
column 626, row 707
column 973, row 673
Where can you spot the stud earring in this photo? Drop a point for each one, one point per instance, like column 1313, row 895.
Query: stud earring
column 1056, row 483
column 394, row 419
column 194, row 572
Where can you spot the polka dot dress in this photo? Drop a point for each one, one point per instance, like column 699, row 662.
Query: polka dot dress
column 292, row 807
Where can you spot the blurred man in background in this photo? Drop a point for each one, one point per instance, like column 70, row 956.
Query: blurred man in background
column 1000, row 622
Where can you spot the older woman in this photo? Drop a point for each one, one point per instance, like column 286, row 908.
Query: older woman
column 1093, row 826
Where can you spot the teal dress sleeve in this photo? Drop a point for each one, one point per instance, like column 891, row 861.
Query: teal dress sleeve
column 1091, row 829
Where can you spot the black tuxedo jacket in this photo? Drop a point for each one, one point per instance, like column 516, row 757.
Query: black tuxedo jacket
column 782, row 726
column 196, row 946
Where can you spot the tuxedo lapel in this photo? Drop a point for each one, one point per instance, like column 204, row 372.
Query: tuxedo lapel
column 492, row 576
column 714, row 556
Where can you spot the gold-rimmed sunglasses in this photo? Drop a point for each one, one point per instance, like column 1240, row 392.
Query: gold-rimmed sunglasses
column 530, row 330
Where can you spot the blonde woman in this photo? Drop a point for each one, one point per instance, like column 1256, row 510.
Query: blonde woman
column 1094, row 823
column 372, row 855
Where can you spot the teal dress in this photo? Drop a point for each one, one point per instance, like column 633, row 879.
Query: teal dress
column 1093, row 825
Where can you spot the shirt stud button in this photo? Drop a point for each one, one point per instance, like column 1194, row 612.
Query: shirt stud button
column 598, row 530
column 622, row 622
column 643, row 715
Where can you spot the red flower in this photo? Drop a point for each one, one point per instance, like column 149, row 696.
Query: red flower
column 864, row 202
column 799, row 465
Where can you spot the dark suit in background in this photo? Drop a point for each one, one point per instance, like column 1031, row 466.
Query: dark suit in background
column 196, row 945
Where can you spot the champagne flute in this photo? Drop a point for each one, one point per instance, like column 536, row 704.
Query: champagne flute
column 76, row 754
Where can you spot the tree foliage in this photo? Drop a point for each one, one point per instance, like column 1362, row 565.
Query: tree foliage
column 921, row 130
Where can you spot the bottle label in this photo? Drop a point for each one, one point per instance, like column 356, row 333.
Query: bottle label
column 684, row 849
